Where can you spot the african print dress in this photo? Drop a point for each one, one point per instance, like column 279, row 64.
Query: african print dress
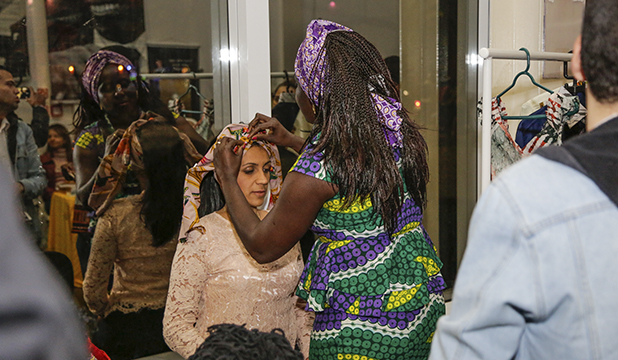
column 375, row 297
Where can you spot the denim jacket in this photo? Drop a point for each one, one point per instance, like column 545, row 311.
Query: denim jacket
column 27, row 166
column 536, row 278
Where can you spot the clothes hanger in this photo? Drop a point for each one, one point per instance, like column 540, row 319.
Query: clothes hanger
column 191, row 87
column 527, row 73
column 574, row 88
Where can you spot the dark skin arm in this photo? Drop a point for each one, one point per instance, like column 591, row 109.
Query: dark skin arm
column 86, row 163
column 300, row 200
column 181, row 124
column 185, row 127
column 277, row 133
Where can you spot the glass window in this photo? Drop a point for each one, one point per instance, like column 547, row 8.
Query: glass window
column 163, row 39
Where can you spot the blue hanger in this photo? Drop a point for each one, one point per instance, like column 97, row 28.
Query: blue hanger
column 527, row 73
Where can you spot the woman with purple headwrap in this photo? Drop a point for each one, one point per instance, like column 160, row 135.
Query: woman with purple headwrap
column 113, row 98
column 373, row 276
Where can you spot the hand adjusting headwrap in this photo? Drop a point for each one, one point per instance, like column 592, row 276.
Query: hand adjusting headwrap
column 196, row 174
column 309, row 71
column 94, row 68
column 112, row 172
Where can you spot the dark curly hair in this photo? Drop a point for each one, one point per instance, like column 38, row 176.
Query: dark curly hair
column 235, row 342
column 349, row 133
column 600, row 49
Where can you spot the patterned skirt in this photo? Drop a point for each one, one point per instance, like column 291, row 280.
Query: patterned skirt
column 338, row 335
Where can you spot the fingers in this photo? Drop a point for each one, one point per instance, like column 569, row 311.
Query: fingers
column 258, row 119
column 260, row 130
column 228, row 144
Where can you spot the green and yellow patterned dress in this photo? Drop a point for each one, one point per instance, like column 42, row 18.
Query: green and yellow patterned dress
column 375, row 296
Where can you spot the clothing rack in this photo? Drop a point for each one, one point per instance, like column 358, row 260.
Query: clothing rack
column 488, row 55
column 195, row 76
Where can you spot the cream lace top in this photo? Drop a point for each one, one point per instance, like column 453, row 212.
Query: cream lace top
column 214, row 280
column 141, row 271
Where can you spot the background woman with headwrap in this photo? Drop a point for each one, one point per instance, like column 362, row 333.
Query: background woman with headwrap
column 214, row 280
column 373, row 276
column 136, row 237
column 113, row 98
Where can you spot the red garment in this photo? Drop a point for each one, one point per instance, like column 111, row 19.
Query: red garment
column 97, row 353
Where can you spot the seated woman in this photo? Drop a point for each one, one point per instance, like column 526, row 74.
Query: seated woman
column 136, row 236
column 214, row 280
column 59, row 154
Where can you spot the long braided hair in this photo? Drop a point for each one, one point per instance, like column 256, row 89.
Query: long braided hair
column 352, row 138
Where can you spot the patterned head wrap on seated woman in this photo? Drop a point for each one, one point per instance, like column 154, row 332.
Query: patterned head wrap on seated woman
column 196, row 174
column 112, row 171
column 94, row 68
column 310, row 68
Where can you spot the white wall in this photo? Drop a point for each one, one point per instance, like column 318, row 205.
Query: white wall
column 178, row 23
column 182, row 23
column 516, row 24
column 378, row 21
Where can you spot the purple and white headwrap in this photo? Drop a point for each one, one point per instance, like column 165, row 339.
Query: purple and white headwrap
column 94, row 67
column 308, row 67
column 309, row 71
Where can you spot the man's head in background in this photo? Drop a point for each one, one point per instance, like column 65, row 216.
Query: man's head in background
column 9, row 98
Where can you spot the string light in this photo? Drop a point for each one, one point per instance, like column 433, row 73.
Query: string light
column 120, row 68
column 71, row 69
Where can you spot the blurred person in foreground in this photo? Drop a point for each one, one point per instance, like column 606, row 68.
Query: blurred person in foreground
column 543, row 239
column 37, row 317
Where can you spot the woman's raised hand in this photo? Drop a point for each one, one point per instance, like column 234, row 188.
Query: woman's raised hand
column 227, row 159
column 269, row 129
column 151, row 115
column 112, row 141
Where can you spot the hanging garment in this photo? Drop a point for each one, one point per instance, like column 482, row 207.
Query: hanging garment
column 572, row 123
column 562, row 109
column 529, row 128
column 504, row 150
